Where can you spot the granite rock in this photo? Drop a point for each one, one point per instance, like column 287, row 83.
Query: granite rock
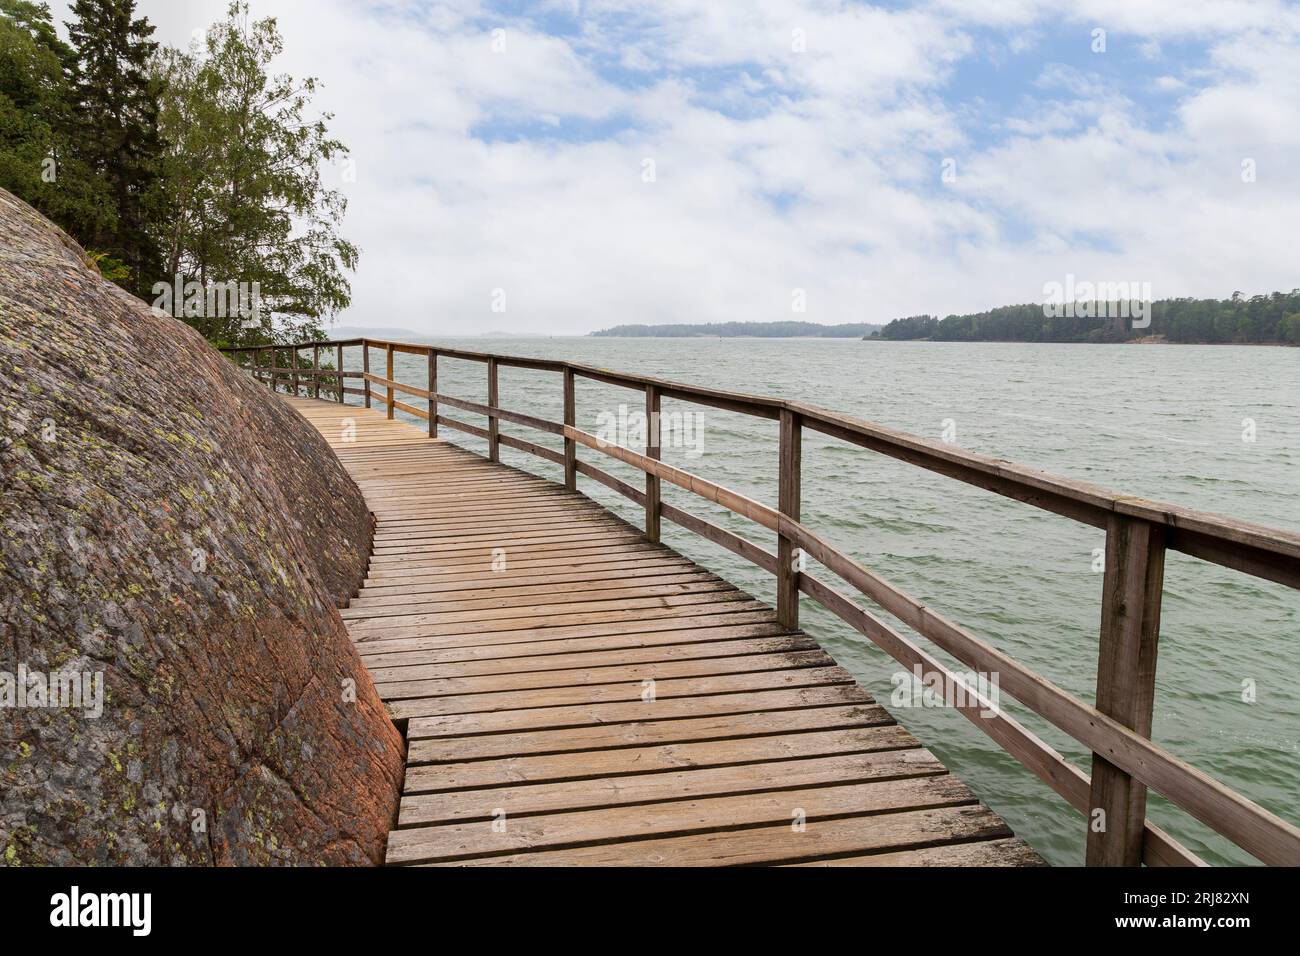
column 172, row 529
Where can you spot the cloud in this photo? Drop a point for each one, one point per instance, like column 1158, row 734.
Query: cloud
column 795, row 145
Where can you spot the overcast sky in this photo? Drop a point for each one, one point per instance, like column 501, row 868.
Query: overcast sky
column 795, row 146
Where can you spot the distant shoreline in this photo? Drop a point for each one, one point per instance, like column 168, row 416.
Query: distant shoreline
column 1147, row 341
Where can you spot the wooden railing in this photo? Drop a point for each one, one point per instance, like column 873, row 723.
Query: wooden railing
column 1117, row 729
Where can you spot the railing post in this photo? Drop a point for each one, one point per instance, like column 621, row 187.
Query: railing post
column 294, row 361
column 392, row 396
column 1126, row 682
column 788, row 502
column 338, row 367
column 315, row 372
column 494, row 442
column 365, row 370
column 570, row 419
column 433, row 392
column 652, row 450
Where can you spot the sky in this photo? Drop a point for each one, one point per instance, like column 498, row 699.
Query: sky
column 561, row 166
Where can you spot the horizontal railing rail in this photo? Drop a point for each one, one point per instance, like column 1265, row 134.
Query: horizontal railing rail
column 1116, row 729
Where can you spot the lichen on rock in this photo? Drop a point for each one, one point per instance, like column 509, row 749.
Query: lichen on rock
column 171, row 526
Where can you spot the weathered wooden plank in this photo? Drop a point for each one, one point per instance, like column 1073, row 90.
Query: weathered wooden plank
column 787, row 570
column 570, row 659
column 588, row 714
column 730, row 751
column 493, row 702
column 593, row 742
column 591, row 679
column 1007, row 852
column 897, row 834
column 680, row 627
column 652, row 487
column 381, row 654
column 1126, row 682
column 595, row 793
column 532, row 833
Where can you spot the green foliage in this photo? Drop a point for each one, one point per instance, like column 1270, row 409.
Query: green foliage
column 115, row 100
column 1259, row 319
column 38, row 158
column 912, row 327
column 236, row 194
column 244, row 170
column 852, row 330
column 114, row 270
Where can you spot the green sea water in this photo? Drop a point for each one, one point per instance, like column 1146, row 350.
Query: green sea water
column 1210, row 427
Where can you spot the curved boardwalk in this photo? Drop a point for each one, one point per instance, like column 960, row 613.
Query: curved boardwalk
column 575, row 694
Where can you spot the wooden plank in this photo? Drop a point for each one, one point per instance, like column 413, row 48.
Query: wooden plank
column 456, row 592
column 652, row 487
column 494, row 425
column 559, row 830
column 569, row 659
column 433, row 393
column 535, row 797
column 720, row 536
column 383, row 653
column 338, row 364
column 527, row 625
column 391, row 396
column 667, row 690
column 771, row 750
column 1126, row 682
column 623, row 681
column 365, row 371
column 570, row 419
column 787, row 570
column 1000, row 853
column 594, row 742
column 680, row 626
column 900, row 835
column 589, row 714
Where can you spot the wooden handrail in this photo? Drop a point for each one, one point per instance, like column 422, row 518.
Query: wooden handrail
column 1138, row 532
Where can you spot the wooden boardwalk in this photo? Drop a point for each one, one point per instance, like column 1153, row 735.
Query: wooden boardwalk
column 575, row 694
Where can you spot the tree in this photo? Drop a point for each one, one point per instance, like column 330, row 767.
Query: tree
column 38, row 159
column 243, row 164
column 116, row 100
column 1290, row 329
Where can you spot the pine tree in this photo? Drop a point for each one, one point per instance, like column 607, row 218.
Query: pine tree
column 39, row 161
column 116, row 101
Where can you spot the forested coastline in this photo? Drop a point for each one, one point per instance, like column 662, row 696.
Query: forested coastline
column 1238, row 320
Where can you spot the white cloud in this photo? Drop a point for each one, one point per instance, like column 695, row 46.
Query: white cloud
column 778, row 169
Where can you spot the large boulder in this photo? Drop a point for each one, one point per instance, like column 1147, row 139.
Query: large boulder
column 174, row 530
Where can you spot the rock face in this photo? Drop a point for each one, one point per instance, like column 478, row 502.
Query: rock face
column 172, row 530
